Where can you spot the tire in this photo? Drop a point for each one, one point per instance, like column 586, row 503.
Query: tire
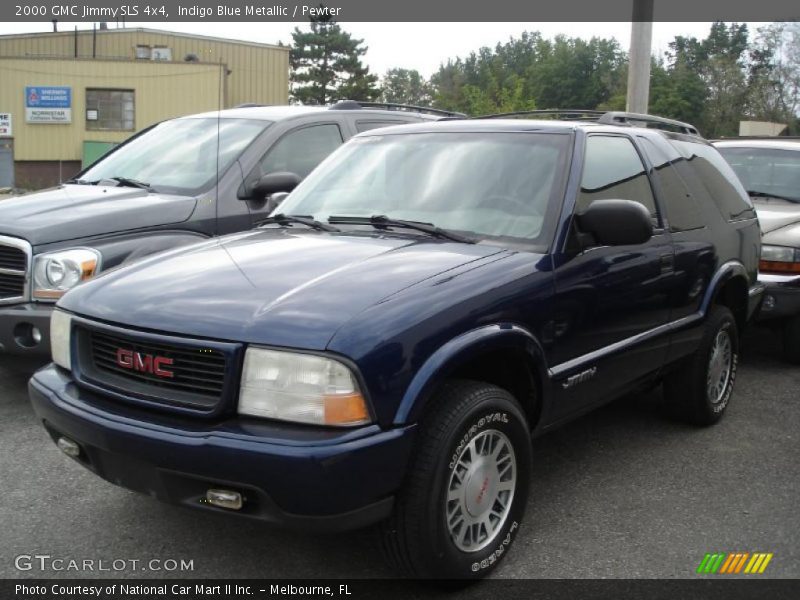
column 791, row 340
column 700, row 391
column 471, row 422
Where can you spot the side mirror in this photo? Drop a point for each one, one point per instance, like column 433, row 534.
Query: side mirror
column 616, row 222
column 272, row 183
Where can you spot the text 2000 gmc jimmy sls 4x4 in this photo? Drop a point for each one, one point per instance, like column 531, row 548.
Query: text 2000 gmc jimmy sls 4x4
column 429, row 298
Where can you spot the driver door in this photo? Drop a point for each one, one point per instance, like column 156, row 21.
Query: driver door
column 610, row 302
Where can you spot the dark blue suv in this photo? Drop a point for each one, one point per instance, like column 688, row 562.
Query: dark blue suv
column 383, row 348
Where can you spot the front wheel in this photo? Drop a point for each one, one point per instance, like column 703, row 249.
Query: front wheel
column 462, row 503
column 700, row 393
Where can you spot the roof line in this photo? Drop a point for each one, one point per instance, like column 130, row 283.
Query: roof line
column 144, row 30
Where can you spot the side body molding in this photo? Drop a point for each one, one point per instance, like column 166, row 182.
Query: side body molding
column 501, row 336
column 722, row 275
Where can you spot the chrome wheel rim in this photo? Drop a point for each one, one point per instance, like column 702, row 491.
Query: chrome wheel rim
column 720, row 363
column 480, row 490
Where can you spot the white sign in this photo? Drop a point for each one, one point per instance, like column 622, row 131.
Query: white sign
column 48, row 115
column 6, row 130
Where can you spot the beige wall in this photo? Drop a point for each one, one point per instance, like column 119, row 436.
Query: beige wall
column 258, row 72
column 162, row 91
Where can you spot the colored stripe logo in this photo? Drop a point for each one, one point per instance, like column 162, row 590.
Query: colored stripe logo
column 723, row 563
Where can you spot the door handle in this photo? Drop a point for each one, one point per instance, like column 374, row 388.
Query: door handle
column 667, row 263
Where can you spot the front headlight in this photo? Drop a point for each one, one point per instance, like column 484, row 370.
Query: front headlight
column 300, row 387
column 56, row 272
column 779, row 259
column 60, row 326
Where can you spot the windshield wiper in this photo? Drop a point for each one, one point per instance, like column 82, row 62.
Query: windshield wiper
column 384, row 222
column 80, row 181
column 759, row 194
column 127, row 181
column 308, row 221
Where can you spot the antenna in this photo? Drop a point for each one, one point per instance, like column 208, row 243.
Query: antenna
column 222, row 76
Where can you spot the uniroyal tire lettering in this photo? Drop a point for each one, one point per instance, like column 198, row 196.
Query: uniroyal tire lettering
column 720, row 406
column 473, row 430
column 495, row 556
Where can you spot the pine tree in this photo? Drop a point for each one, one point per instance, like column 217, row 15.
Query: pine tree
column 326, row 65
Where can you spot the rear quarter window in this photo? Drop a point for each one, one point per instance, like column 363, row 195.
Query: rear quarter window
column 710, row 178
column 682, row 208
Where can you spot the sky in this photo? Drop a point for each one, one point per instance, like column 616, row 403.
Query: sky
column 420, row 46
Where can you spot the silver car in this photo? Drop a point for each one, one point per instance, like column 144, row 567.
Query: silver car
column 769, row 168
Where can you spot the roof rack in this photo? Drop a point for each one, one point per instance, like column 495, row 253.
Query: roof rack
column 601, row 116
column 568, row 114
column 625, row 118
column 250, row 105
column 358, row 104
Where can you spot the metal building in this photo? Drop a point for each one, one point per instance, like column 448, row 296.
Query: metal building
column 67, row 97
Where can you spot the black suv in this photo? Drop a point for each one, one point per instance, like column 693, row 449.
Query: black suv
column 173, row 184
column 426, row 301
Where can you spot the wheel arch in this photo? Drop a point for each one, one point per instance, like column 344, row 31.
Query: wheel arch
column 729, row 287
column 505, row 355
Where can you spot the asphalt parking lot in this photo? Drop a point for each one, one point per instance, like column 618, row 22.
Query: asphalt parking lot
column 624, row 492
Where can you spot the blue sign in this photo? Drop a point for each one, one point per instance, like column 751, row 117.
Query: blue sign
column 48, row 97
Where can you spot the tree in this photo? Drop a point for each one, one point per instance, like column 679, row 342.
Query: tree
column 704, row 81
column 326, row 65
column 406, row 86
column 773, row 87
column 531, row 71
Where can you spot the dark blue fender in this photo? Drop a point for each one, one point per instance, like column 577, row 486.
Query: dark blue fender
column 463, row 348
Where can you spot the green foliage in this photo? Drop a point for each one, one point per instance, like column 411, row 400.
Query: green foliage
column 529, row 72
column 713, row 82
column 406, row 86
column 326, row 65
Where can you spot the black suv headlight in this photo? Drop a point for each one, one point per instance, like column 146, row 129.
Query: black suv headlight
column 54, row 273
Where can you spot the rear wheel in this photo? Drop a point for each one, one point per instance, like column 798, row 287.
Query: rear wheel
column 700, row 392
column 462, row 503
column 791, row 340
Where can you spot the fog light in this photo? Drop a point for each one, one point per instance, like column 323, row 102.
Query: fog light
column 769, row 302
column 224, row 499
column 69, row 447
column 36, row 335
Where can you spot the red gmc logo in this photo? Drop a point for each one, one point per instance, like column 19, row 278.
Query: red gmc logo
column 144, row 363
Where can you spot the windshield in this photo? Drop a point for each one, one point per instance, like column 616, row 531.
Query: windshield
column 504, row 186
column 767, row 170
column 179, row 156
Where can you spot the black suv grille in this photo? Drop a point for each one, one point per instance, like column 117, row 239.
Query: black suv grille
column 13, row 258
column 12, row 286
column 13, row 266
column 196, row 374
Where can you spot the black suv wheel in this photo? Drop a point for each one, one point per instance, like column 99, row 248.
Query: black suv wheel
column 467, row 487
column 701, row 390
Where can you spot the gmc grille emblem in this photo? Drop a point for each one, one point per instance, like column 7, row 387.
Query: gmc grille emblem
column 144, row 363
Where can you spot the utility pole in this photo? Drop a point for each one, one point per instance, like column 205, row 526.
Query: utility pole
column 639, row 58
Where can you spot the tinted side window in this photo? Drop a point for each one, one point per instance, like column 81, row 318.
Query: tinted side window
column 681, row 208
column 613, row 170
column 710, row 171
column 367, row 125
column 301, row 150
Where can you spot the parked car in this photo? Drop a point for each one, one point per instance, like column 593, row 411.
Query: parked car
column 770, row 170
column 383, row 349
column 176, row 183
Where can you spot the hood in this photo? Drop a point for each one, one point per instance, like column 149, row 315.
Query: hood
column 71, row 212
column 775, row 213
column 269, row 286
